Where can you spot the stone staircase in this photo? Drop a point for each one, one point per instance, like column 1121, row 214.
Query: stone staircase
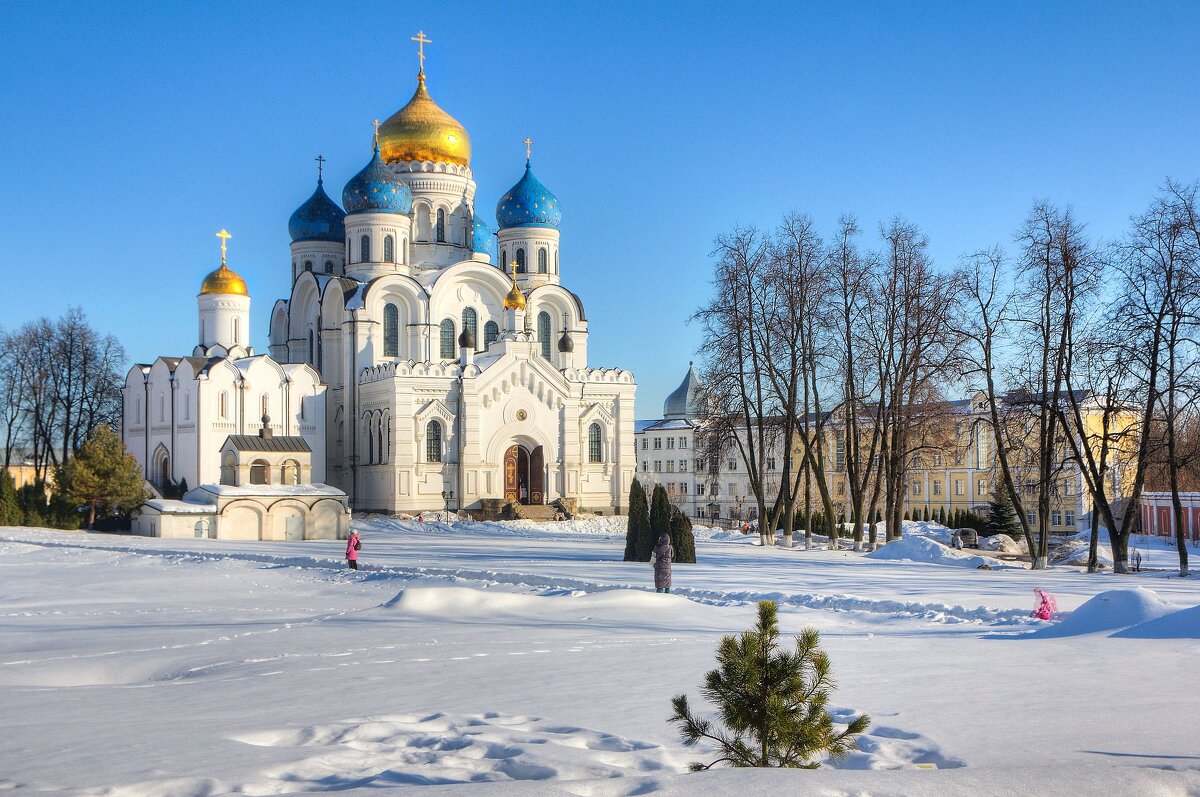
column 534, row 512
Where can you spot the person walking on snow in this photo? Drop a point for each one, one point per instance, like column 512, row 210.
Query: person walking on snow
column 353, row 544
column 664, row 553
column 958, row 543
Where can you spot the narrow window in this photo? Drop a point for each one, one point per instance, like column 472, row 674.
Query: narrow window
column 222, row 406
column 308, row 265
column 594, row 441
column 504, row 259
column 379, row 439
column 433, row 442
column 328, row 266
column 441, row 226
column 542, row 260
column 491, row 333
column 391, row 330
column 520, row 261
column 237, row 331
column 265, row 401
column 303, row 407
column 469, row 321
column 311, row 348
column 447, row 340
column 544, row 333
column 364, row 249
column 389, row 249
column 370, row 440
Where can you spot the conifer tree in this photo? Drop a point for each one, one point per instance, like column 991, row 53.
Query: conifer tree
column 103, row 476
column 1002, row 516
column 11, row 513
column 770, row 702
column 660, row 516
column 681, row 537
column 639, row 519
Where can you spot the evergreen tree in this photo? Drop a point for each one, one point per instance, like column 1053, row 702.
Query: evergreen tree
column 103, row 476
column 681, row 537
column 660, row 516
column 1002, row 516
column 31, row 498
column 639, row 518
column 771, row 702
column 10, row 508
column 906, row 517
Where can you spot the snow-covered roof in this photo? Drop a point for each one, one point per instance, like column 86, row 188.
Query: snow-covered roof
column 270, row 490
column 168, row 506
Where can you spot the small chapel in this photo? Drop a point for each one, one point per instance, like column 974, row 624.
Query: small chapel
column 430, row 360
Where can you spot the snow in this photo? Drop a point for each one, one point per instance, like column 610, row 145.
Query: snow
column 524, row 658
column 269, row 489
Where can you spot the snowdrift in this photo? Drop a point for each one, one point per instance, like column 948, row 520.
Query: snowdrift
column 1002, row 543
column 463, row 602
column 1183, row 624
column 923, row 549
column 1116, row 608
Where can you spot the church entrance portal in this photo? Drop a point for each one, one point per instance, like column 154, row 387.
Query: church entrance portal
column 524, row 475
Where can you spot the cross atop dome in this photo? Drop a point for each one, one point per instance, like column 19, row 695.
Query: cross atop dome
column 421, row 42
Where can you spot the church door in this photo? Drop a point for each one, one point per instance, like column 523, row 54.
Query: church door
column 294, row 529
column 519, row 484
column 510, row 473
column 537, row 477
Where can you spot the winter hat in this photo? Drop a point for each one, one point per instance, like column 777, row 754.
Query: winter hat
column 663, row 538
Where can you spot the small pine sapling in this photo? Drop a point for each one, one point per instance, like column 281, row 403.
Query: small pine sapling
column 770, row 702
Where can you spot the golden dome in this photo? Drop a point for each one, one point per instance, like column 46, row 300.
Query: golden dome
column 224, row 280
column 421, row 131
column 514, row 300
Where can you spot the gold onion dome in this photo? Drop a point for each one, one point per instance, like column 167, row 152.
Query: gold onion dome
column 514, row 300
column 224, row 280
column 421, row 131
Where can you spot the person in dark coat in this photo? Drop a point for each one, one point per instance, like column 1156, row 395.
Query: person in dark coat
column 664, row 553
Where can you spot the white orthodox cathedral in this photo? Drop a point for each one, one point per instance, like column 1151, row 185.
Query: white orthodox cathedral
column 417, row 370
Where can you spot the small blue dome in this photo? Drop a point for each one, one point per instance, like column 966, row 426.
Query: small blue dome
column 318, row 219
column 377, row 189
column 528, row 204
column 483, row 238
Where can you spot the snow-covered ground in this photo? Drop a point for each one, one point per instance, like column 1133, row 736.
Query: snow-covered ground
column 525, row 658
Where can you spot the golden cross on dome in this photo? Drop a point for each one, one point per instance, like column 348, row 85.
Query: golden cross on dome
column 224, row 236
column 421, row 42
column 320, row 159
column 514, row 272
column 528, row 142
column 376, row 124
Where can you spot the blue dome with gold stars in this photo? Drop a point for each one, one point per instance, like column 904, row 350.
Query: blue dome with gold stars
column 377, row 189
column 483, row 239
column 318, row 219
column 528, row 204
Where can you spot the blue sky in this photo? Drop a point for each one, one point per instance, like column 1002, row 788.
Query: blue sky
column 131, row 133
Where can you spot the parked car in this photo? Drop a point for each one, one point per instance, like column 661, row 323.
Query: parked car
column 970, row 537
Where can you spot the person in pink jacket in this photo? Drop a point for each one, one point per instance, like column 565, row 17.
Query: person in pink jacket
column 352, row 546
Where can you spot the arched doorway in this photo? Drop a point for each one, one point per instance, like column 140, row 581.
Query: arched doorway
column 524, row 475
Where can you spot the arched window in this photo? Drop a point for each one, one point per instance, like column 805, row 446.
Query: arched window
column 542, row 260
column 367, row 431
column 389, row 249
column 447, row 347
column 229, row 469
column 260, row 472
column 520, row 261
column 391, row 330
column 290, row 472
column 328, row 266
column 491, row 333
column 504, row 259
column 222, row 406
column 595, row 452
column 544, row 333
column 469, row 322
column 556, row 261
column 387, row 437
column 441, row 226
column 311, row 348
column 364, row 249
column 303, row 407
column 308, row 265
column 433, row 442
column 379, row 439
column 237, row 331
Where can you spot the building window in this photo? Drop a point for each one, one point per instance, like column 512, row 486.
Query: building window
column 1030, row 487
column 308, row 265
column 311, row 348
column 542, row 260
column 441, row 226
column 504, row 259
column 391, row 330
column 491, row 333
column 670, row 442
column 733, row 464
column 260, row 472
column 447, row 347
column 264, row 404
column 916, row 488
column 958, row 487
column 670, row 466
column 683, row 442
column 770, row 463
column 520, row 261
column 469, row 321
column 1069, row 485
column 937, row 488
column 841, row 488
column 658, row 466
column 433, row 442
column 937, row 460
column 237, row 332
column 645, row 466
column 683, row 487
column 290, row 472
column 700, row 489
column 1056, row 518
column 1070, row 517
column 840, row 454
column 981, row 487
column 657, row 443
column 229, row 469
column 644, row 441
column 364, row 249
column 1031, row 517
column 328, row 266
column 389, row 249
column 683, row 466
column 594, row 441
column 543, row 330
column 222, row 406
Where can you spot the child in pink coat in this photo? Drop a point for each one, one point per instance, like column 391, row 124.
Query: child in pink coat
column 352, row 546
